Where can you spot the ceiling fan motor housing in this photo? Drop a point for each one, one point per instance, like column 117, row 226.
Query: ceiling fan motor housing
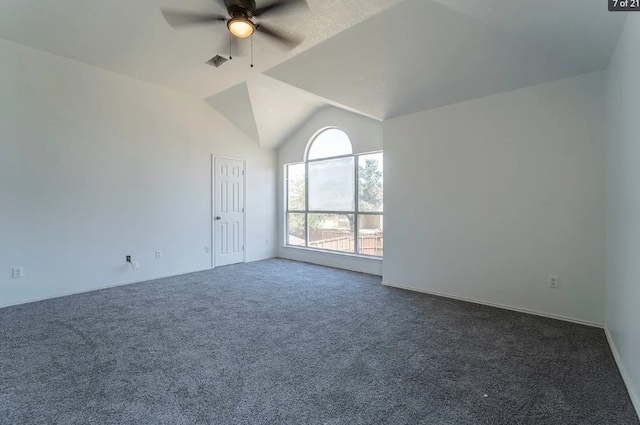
column 239, row 19
column 240, row 8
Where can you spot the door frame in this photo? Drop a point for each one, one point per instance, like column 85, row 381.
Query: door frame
column 213, row 207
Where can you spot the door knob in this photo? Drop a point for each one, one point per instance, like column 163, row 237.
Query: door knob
column 218, row 218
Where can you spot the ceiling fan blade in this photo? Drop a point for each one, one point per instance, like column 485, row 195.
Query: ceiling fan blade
column 288, row 41
column 281, row 6
column 177, row 19
column 221, row 3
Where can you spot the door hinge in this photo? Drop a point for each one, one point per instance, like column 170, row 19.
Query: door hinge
column 243, row 210
column 243, row 172
column 243, row 247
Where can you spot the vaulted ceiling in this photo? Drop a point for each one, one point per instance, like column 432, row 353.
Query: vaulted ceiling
column 381, row 58
column 422, row 54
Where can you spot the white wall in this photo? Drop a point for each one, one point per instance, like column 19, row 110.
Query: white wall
column 623, row 205
column 366, row 136
column 95, row 166
column 485, row 199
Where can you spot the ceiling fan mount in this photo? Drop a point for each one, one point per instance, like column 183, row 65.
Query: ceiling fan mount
column 240, row 8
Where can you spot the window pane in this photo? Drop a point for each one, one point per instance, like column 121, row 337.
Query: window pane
column 370, row 235
column 296, row 188
column 331, row 231
column 370, row 183
column 296, row 225
column 332, row 185
column 332, row 142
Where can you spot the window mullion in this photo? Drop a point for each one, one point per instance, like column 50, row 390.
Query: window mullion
column 287, row 213
column 306, row 204
column 356, row 218
column 330, row 212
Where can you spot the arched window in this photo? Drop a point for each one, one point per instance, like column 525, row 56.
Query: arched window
column 334, row 198
column 329, row 143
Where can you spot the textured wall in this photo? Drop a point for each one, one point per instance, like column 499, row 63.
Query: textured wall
column 95, row 166
column 623, row 204
column 485, row 199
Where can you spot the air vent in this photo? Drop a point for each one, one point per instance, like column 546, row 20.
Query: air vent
column 216, row 61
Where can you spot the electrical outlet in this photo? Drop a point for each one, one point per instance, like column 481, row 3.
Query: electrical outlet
column 136, row 265
column 158, row 255
column 206, row 249
column 17, row 272
column 553, row 281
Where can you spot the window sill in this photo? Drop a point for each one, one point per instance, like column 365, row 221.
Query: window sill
column 326, row 251
column 346, row 261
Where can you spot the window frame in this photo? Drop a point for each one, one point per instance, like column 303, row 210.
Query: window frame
column 356, row 212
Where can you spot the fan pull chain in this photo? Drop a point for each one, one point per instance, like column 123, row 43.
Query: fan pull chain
column 230, row 41
column 251, row 50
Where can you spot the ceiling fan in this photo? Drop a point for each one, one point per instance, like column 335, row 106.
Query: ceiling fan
column 240, row 19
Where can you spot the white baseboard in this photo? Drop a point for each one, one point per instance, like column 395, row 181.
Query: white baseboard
column 502, row 306
column 623, row 372
column 99, row 288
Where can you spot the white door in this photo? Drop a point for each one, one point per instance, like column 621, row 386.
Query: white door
column 228, row 211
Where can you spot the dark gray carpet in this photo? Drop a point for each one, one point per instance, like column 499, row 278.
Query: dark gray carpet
column 280, row 342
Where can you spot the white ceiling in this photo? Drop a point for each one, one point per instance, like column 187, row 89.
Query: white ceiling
column 425, row 54
column 382, row 58
column 266, row 109
column 131, row 37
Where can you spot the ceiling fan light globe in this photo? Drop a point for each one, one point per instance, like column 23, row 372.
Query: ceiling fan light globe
column 241, row 27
